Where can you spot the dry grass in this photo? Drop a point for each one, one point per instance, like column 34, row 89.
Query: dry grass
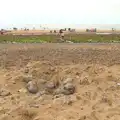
column 27, row 114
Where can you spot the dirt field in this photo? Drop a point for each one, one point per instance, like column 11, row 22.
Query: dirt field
column 93, row 70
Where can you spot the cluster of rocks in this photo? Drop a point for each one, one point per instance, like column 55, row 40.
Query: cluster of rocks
column 41, row 86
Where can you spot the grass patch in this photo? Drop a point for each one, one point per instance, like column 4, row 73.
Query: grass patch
column 76, row 38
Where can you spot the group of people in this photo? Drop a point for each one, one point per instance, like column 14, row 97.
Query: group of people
column 61, row 33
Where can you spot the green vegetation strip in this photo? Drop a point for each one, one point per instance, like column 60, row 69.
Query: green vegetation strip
column 76, row 38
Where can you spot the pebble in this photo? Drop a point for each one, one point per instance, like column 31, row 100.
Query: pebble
column 27, row 78
column 69, row 88
column 50, row 85
column 34, row 106
column 22, row 90
column 68, row 100
column 32, row 87
column 39, row 94
column 68, row 80
column 4, row 92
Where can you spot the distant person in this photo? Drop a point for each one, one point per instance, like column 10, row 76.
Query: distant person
column 1, row 32
column 54, row 31
column 61, row 33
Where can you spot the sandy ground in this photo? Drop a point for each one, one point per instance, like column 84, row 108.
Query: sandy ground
column 94, row 69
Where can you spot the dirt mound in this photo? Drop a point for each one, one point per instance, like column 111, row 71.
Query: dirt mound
column 69, row 92
column 59, row 81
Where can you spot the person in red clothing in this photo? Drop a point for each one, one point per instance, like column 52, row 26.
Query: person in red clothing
column 1, row 32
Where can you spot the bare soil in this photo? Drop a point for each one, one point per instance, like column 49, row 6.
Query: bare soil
column 95, row 69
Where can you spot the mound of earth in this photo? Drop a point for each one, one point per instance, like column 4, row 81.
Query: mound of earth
column 59, row 88
column 82, row 92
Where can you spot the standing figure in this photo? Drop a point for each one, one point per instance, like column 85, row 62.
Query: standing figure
column 61, row 33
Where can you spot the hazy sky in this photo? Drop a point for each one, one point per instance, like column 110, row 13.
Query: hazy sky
column 21, row 12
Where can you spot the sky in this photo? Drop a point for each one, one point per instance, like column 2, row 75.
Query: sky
column 59, row 13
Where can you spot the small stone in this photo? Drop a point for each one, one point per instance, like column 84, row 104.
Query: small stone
column 4, row 92
column 34, row 106
column 70, row 88
column 32, row 87
column 22, row 90
column 50, row 85
column 27, row 78
column 39, row 94
column 67, row 101
column 66, row 90
column 68, row 80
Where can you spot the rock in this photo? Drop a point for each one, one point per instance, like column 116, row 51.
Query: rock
column 50, row 85
column 68, row 80
column 67, row 92
column 40, row 93
column 66, row 87
column 27, row 78
column 4, row 92
column 32, row 87
column 59, row 90
column 22, row 90
column 69, row 88
column 34, row 106
column 67, row 100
